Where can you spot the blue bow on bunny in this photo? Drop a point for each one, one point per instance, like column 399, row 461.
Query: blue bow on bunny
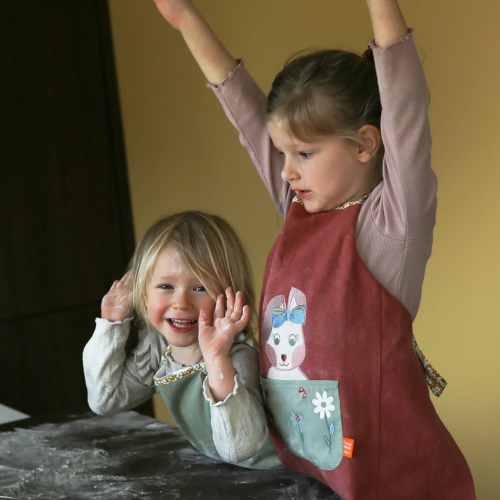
column 296, row 315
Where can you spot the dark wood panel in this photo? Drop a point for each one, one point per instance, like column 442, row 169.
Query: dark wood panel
column 66, row 225
column 41, row 362
column 33, row 7
column 65, row 218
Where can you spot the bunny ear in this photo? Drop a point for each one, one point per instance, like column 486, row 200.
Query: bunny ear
column 280, row 302
column 296, row 298
column 267, row 322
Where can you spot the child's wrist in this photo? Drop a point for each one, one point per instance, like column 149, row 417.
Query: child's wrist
column 187, row 18
column 112, row 318
column 221, row 376
column 217, row 362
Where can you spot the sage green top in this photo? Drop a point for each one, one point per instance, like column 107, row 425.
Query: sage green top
column 117, row 383
column 189, row 403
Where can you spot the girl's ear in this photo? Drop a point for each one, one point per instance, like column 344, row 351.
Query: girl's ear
column 369, row 141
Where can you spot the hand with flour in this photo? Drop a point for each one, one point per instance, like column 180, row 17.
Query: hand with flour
column 117, row 304
column 216, row 338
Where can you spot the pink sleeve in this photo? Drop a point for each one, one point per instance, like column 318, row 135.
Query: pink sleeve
column 245, row 105
column 405, row 206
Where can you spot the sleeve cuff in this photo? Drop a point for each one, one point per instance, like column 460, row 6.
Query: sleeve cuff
column 229, row 75
column 102, row 321
column 208, row 394
column 374, row 46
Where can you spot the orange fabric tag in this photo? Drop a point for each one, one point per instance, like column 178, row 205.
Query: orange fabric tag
column 348, row 447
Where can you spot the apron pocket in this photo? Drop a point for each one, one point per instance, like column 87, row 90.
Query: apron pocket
column 306, row 415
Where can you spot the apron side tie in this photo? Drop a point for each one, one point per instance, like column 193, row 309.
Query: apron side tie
column 435, row 382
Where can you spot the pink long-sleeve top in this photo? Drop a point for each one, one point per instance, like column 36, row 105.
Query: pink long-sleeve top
column 395, row 223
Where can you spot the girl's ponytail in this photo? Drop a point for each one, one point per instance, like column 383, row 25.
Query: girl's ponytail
column 368, row 55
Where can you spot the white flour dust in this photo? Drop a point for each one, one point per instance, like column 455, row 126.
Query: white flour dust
column 130, row 456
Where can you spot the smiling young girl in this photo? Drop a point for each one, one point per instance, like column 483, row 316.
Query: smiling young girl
column 198, row 353
column 343, row 146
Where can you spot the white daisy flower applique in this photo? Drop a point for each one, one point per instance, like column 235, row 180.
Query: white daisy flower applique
column 323, row 404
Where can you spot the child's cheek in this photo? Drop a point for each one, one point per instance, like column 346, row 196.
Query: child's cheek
column 155, row 314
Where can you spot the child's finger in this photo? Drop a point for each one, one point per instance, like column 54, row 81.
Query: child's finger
column 240, row 324
column 127, row 277
column 113, row 286
column 219, row 307
column 123, row 279
column 230, row 301
column 204, row 318
column 238, row 306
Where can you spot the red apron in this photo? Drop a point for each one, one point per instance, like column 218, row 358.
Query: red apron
column 339, row 374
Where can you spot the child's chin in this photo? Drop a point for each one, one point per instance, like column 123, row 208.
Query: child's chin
column 181, row 339
column 313, row 209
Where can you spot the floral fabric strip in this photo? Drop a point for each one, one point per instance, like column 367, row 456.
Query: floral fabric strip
column 435, row 382
column 188, row 370
column 345, row 205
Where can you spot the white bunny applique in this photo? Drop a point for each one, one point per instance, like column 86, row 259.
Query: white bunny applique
column 285, row 345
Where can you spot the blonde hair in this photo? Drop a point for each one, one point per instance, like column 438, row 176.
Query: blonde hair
column 207, row 245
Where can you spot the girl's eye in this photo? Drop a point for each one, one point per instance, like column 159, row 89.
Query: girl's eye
column 166, row 287
column 200, row 289
column 305, row 155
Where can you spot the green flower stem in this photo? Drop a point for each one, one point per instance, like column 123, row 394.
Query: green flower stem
column 329, row 436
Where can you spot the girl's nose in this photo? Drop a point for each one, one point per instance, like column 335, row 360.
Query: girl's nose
column 289, row 173
column 182, row 302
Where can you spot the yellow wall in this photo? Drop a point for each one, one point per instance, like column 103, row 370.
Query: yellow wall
column 182, row 154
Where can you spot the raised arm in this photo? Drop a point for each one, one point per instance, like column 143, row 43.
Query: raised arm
column 387, row 21
column 405, row 206
column 241, row 98
column 232, row 383
column 239, row 424
column 116, row 383
column 216, row 341
column 212, row 57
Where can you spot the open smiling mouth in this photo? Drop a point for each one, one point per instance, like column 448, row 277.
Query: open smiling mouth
column 181, row 325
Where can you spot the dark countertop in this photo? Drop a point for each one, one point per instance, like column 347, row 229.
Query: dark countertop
column 129, row 456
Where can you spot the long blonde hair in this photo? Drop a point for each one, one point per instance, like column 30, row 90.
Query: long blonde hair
column 207, row 245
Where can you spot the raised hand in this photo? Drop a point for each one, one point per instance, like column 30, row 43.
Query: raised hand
column 173, row 10
column 117, row 304
column 212, row 57
column 216, row 339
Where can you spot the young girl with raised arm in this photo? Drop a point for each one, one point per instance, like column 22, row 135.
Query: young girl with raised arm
column 197, row 353
column 343, row 146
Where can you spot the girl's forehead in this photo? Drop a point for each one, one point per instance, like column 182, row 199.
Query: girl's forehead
column 168, row 262
column 283, row 138
column 279, row 131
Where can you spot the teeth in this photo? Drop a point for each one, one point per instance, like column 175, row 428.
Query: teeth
column 182, row 322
